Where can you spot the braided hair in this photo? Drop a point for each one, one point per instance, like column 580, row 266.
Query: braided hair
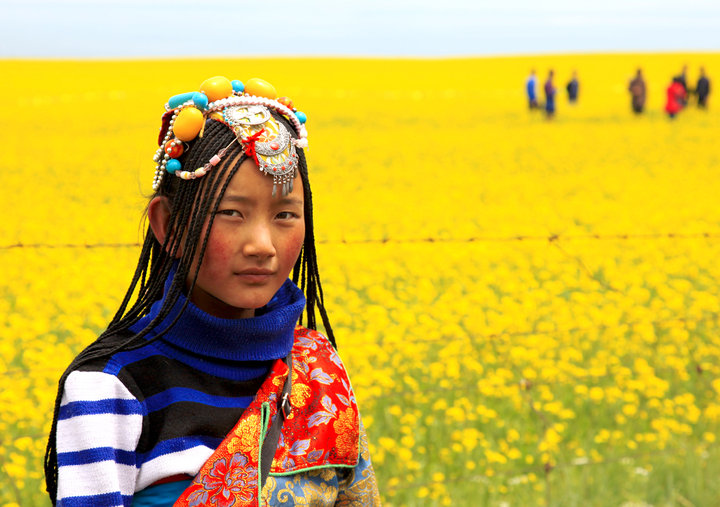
column 192, row 203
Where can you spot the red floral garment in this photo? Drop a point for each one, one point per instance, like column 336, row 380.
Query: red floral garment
column 322, row 430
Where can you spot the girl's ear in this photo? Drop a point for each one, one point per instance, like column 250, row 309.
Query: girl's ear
column 159, row 217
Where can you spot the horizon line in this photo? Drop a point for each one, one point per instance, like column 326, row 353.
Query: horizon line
column 597, row 52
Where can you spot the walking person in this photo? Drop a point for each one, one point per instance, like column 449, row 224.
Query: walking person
column 530, row 85
column 550, row 92
column 638, row 92
column 573, row 88
column 676, row 98
column 702, row 89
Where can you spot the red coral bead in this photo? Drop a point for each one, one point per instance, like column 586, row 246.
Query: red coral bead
column 174, row 148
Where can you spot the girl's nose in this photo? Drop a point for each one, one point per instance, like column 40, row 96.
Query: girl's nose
column 259, row 242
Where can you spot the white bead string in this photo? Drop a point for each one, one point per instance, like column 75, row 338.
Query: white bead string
column 252, row 100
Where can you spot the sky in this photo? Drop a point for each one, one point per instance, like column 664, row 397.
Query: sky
column 418, row 28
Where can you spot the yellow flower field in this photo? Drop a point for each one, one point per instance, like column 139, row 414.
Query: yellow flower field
column 529, row 310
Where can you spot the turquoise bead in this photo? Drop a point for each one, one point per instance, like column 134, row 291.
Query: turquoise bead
column 178, row 100
column 200, row 100
column 301, row 116
column 238, row 86
column 173, row 165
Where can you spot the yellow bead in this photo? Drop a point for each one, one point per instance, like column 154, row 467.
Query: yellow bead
column 260, row 88
column 216, row 88
column 188, row 123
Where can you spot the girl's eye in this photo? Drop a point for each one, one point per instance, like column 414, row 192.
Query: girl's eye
column 286, row 215
column 230, row 213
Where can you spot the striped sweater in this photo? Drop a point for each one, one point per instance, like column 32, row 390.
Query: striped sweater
column 155, row 414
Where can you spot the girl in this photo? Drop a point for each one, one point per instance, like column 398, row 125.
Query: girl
column 205, row 390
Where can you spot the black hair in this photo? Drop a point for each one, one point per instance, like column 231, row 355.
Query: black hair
column 191, row 203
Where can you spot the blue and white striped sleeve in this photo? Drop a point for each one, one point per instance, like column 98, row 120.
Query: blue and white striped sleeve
column 99, row 426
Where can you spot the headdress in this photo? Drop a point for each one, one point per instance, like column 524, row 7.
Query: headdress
column 246, row 110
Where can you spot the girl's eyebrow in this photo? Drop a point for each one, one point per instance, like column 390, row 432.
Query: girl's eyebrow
column 239, row 198
column 290, row 200
column 283, row 200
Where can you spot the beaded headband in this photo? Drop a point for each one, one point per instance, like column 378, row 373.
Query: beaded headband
column 245, row 108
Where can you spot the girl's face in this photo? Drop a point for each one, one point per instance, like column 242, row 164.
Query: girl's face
column 253, row 245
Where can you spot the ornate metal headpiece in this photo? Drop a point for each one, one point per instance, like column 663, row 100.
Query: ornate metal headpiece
column 245, row 108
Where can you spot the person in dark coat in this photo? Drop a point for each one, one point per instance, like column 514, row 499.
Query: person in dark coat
column 682, row 79
column 550, row 95
column 702, row 89
column 637, row 92
column 573, row 87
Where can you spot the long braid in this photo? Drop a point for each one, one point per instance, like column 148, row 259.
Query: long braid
column 307, row 262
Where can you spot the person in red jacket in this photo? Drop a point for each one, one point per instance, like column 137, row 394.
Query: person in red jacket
column 676, row 98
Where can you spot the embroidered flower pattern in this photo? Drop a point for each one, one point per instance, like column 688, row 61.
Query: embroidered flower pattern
column 247, row 436
column 300, row 394
column 347, row 439
column 226, row 485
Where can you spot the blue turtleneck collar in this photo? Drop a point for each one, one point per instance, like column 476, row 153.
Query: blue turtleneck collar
column 261, row 338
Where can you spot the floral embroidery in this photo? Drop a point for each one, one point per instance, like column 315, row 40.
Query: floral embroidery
column 326, row 487
column 300, row 395
column 286, row 494
column 347, row 440
column 323, row 416
column 225, row 484
column 364, row 445
column 269, row 488
column 315, row 455
column 321, row 492
column 300, row 447
column 360, row 493
column 320, row 376
column 248, row 437
column 308, row 489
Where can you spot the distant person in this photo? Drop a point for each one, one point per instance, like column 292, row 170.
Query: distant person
column 572, row 88
column 550, row 95
column 637, row 92
column 702, row 89
column 530, row 89
column 676, row 97
column 682, row 79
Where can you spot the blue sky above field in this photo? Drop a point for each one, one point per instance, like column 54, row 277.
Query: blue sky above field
column 156, row 28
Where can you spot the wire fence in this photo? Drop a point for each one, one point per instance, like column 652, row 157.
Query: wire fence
column 551, row 238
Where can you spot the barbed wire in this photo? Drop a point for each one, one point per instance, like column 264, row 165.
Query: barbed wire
column 38, row 246
column 552, row 238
